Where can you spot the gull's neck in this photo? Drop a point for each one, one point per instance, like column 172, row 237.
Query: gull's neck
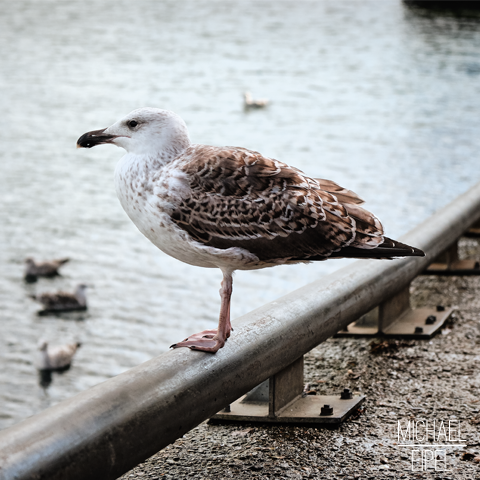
column 80, row 296
column 159, row 157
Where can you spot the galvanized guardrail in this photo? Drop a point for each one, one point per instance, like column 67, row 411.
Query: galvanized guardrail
column 103, row 432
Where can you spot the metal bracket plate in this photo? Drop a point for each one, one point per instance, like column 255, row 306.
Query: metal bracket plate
column 421, row 323
column 448, row 263
column 459, row 267
column 395, row 318
column 365, row 326
column 473, row 232
column 280, row 399
column 302, row 410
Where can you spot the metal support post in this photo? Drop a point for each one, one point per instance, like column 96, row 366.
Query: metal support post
column 473, row 231
column 281, row 399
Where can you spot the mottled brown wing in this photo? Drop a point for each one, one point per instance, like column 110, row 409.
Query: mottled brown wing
column 369, row 230
column 343, row 195
column 240, row 198
column 53, row 300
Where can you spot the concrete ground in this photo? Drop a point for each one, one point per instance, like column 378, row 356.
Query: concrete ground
column 420, row 380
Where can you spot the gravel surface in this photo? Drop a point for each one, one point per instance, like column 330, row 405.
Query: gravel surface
column 436, row 379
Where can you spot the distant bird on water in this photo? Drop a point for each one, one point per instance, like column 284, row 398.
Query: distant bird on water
column 249, row 102
column 232, row 208
column 63, row 301
column 56, row 358
column 34, row 269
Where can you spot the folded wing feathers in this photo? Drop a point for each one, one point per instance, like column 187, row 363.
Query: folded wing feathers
column 343, row 195
column 55, row 300
column 243, row 195
column 240, row 198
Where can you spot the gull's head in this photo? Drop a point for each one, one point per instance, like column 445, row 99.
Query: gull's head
column 145, row 131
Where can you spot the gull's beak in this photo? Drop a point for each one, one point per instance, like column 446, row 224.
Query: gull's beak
column 97, row 137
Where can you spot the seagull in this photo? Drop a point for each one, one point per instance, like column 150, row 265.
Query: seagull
column 63, row 301
column 249, row 102
column 232, row 208
column 56, row 358
column 42, row 269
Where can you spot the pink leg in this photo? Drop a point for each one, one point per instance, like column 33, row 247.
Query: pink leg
column 212, row 340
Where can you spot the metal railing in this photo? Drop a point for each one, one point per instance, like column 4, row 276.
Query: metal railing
column 105, row 431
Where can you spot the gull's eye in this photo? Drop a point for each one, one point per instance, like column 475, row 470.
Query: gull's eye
column 132, row 124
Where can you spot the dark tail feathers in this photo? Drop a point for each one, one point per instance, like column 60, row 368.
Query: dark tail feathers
column 388, row 249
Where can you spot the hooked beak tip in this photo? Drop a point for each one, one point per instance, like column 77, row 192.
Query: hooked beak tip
column 96, row 137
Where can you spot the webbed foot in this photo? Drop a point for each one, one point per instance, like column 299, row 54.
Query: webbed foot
column 206, row 341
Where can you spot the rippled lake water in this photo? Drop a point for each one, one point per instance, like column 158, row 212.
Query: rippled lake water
column 383, row 98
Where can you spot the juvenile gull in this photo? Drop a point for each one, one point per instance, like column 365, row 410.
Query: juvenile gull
column 232, row 208
column 63, row 301
column 57, row 357
column 34, row 269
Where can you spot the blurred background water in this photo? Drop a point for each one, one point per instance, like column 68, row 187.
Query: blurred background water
column 381, row 97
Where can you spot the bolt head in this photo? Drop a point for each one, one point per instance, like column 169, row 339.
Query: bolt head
column 346, row 394
column 326, row 410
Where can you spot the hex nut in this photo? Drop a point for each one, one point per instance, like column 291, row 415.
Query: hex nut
column 346, row 394
column 326, row 410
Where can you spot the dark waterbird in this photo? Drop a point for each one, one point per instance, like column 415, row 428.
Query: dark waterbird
column 34, row 269
column 63, row 301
